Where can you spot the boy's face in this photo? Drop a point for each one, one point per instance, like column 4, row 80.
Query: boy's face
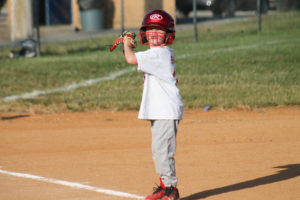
column 156, row 36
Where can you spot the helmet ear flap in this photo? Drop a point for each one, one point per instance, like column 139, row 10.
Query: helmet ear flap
column 143, row 37
column 170, row 38
column 144, row 40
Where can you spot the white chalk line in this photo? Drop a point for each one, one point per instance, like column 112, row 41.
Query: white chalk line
column 90, row 82
column 233, row 49
column 72, row 185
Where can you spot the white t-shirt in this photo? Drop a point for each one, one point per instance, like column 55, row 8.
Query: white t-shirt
column 161, row 98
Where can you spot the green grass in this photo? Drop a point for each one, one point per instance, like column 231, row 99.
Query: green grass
column 231, row 66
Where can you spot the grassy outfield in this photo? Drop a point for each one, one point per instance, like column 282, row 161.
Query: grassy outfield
column 231, row 66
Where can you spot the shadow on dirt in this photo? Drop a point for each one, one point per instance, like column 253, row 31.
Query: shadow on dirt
column 288, row 172
column 14, row 117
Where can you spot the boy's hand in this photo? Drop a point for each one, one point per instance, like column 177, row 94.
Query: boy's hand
column 126, row 37
column 129, row 37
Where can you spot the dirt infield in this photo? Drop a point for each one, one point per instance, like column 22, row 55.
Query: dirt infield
column 220, row 155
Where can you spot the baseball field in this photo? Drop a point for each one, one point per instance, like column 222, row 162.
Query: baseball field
column 69, row 127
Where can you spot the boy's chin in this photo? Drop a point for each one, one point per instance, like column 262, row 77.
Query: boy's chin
column 156, row 44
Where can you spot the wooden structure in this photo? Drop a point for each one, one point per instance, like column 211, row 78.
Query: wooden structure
column 20, row 14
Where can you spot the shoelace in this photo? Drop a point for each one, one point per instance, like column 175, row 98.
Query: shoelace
column 157, row 189
column 169, row 190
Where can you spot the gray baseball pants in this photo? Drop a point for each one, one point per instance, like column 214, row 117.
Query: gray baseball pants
column 163, row 149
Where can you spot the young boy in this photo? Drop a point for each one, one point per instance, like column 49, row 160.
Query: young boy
column 161, row 101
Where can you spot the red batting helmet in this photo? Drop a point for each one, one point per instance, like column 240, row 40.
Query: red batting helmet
column 161, row 19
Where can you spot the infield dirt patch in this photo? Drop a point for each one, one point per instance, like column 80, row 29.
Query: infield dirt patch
column 220, row 154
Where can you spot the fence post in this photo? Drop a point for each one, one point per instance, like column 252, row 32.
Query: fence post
column 195, row 20
column 122, row 16
column 37, row 26
column 258, row 15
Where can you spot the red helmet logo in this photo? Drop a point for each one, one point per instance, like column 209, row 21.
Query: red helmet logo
column 156, row 17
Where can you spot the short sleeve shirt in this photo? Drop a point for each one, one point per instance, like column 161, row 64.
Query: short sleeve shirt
column 161, row 98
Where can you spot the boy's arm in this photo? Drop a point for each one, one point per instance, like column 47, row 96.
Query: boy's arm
column 129, row 54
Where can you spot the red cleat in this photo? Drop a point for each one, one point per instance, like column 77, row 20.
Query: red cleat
column 157, row 194
column 171, row 193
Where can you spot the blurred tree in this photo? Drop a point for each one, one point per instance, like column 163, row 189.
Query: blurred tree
column 289, row 4
column 226, row 7
column 2, row 2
